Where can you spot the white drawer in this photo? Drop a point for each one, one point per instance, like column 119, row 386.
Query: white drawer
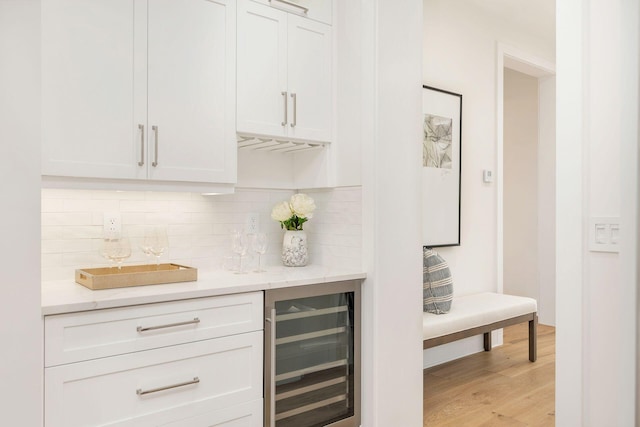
column 245, row 415
column 105, row 392
column 318, row 10
column 89, row 335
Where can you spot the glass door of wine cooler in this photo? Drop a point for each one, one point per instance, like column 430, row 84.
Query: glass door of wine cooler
column 312, row 356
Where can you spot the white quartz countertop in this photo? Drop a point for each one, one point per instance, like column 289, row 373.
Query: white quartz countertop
column 66, row 296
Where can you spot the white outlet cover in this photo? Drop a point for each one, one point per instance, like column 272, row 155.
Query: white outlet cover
column 252, row 225
column 112, row 224
column 604, row 234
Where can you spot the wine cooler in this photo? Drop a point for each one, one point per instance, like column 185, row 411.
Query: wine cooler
column 312, row 355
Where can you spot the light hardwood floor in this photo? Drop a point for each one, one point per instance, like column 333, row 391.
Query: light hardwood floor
column 496, row 388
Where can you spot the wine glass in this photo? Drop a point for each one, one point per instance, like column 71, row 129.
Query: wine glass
column 156, row 242
column 105, row 250
column 239, row 245
column 118, row 250
column 145, row 250
column 259, row 245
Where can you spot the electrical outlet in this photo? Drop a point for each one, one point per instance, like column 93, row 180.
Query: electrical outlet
column 252, row 226
column 112, row 225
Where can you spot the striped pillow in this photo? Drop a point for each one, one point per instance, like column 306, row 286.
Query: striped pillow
column 437, row 285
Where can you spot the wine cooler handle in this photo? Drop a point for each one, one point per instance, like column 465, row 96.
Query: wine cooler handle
column 271, row 392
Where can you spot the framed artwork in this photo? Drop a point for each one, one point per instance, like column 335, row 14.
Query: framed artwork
column 441, row 166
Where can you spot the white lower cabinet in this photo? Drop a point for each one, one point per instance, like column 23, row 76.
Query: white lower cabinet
column 207, row 382
column 245, row 415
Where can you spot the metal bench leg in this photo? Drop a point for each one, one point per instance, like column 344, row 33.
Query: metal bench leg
column 533, row 338
column 487, row 341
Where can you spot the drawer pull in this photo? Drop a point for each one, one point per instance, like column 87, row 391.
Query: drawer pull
column 170, row 325
column 302, row 8
column 141, row 392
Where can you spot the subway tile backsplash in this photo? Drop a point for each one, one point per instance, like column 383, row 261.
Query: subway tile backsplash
column 198, row 226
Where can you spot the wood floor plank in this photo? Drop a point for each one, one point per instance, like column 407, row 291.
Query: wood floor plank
column 496, row 388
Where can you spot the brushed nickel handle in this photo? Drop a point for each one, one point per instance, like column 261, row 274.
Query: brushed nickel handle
column 141, row 392
column 304, row 9
column 284, row 97
column 170, row 325
column 141, row 162
column 155, row 159
column 295, row 110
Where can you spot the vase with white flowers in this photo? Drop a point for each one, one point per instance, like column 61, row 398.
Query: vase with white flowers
column 292, row 215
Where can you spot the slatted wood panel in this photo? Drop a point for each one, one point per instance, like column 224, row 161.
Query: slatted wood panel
column 497, row 388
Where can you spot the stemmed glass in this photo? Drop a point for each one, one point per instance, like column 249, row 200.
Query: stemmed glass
column 116, row 250
column 105, row 250
column 156, row 242
column 239, row 245
column 259, row 245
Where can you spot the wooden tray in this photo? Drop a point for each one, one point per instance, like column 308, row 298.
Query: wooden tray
column 135, row 275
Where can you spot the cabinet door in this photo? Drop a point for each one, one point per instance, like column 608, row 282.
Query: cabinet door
column 89, row 94
column 262, row 70
column 191, row 93
column 310, row 79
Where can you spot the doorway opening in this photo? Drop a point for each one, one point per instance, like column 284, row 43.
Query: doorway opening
column 526, row 179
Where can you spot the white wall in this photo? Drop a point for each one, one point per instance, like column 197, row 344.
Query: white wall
column 529, row 189
column 630, row 183
column 459, row 54
column 198, row 226
column 520, row 184
column 392, row 294
column 20, row 319
column 547, row 200
column 606, row 335
column 596, row 355
column 348, row 144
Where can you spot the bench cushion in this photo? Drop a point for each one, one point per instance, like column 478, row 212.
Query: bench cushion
column 470, row 311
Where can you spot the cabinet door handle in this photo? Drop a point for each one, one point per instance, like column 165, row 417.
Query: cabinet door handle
column 155, row 137
column 141, row 162
column 141, row 392
column 295, row 110
column 170, row 325
column 304, row 9
column 284, row 97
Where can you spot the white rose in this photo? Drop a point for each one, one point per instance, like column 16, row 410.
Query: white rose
column 281, row 212
column 302, row 205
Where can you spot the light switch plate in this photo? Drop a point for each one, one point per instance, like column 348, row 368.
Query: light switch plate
column 604, row 234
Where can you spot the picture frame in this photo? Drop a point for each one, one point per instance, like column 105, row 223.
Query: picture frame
column 441, row 167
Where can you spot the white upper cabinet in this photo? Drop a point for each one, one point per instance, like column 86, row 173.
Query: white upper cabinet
column 88, row 92
column 139, row 90
column 262, row 69
column 285, row 84
column 309, row 79
column 191, row 95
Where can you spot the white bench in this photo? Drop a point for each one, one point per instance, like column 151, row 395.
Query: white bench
column 480, row 314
